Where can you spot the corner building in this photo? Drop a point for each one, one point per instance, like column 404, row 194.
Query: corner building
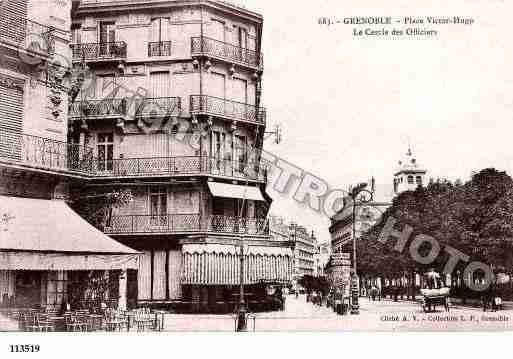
column 173, row 113
column 45, row 247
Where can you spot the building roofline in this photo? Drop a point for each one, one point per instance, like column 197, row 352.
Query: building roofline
column 412, row 171
column 127, row 5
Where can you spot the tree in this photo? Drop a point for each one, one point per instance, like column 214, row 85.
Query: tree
column 96, row 208
column 476, row 218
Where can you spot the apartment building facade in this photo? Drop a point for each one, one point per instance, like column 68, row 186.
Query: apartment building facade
column 44, row 245
column 305, row 249
column 172, row 110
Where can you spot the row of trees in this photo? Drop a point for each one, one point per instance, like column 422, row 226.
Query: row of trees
column 475, row 218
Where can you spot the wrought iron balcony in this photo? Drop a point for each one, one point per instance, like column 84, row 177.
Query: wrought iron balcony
column 98, row 108
column 44, row 153
column 179, row 166
column 158, row 106
column 205, row 46
column 27, row 34
column 160, row 48
column 185, row 223
column 99, row 51
column 209, row 105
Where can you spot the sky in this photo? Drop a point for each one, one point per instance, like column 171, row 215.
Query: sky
column 349, row 107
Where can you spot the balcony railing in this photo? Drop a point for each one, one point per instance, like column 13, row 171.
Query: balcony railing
column 99, row 51
column 204, row 46
column 105, row 107
column 203, row 104
column 147, row 107
column 161, row 48
column 28, row 34
column 158, row 106
column 185, row 223
column 44, row 152
column 173, row 166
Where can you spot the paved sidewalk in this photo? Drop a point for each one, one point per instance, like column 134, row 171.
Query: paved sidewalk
column 8, row 324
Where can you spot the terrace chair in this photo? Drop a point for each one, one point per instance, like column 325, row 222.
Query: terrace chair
column 115, row 320
column 38, row 322
column 72, row 323
column 45, row 323
column 83, row 320
column 28, row 321
column 144, row 319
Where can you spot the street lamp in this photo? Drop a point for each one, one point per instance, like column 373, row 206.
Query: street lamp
column 241, row 314
column 241, row 320
column 362, row 195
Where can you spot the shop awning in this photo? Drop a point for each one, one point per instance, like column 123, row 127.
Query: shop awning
column 221, row 266
column 37, row 234
column 235, row 191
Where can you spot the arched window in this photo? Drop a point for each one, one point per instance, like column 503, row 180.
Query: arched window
column 410, row 179
column 419, row 180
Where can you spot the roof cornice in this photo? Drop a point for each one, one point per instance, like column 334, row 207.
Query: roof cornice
column 132, row 5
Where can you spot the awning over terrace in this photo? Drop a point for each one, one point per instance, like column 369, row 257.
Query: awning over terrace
column 235, row 191
column 37, row 234
column 220, row 265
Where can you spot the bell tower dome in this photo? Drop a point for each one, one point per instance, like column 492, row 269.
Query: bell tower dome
column 409, row 174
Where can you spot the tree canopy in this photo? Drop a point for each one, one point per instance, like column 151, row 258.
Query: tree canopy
column 475, row 218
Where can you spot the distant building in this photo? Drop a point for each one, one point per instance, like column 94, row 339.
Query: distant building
column 306, row 256
column 409, row 174
column 305, row 245
column 322, row 257
column 278, row 229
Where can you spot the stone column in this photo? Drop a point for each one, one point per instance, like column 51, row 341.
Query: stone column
column 122, row 302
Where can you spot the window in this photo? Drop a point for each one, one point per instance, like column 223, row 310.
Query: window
column 242, row 37
column 159, row 84
column 158, row 206
column 410, row 179
column 105, row 88
column 217, row 30
column 241, row 152
column 76, row 34
column 11, row 108
column 159, row 44
column 419, row 180
column 107, row 38
column 105, row 149
column 159, row 29
column 218, row 148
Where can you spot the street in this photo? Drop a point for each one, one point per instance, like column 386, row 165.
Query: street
column 300, row 315
column 383, row 315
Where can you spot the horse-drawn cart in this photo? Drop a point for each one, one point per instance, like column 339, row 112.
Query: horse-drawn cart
column 436, row 293
column 429, row 303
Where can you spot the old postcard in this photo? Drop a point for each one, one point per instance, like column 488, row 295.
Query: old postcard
column 157, row 175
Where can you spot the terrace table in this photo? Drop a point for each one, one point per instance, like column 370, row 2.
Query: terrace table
column 95, row 322
column 59, row 322
column 114, row 325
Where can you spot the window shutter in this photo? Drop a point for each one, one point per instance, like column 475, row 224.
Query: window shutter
column 15, row 8
column 11, row 108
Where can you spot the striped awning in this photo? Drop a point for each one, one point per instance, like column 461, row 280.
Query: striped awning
column 211, row 267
